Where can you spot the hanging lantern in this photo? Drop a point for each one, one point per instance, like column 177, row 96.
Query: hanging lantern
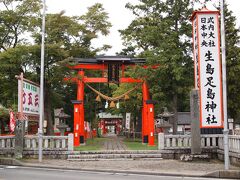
column 126, row 97
column 98, row 99
column 112, row 104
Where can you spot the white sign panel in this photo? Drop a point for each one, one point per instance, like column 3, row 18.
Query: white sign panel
column 128, row 117
column 207, row 56
column 30, row 98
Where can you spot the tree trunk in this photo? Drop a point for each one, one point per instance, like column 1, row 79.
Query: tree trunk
column 175, row 114
column 48, row 112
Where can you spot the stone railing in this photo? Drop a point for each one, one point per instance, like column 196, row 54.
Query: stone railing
column 207, row 141
column 31, row 142
column 7, row 142
column 49, row 142
column 173, row 141
column 233, row 142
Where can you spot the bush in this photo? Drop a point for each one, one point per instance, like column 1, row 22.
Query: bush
column 4, row 114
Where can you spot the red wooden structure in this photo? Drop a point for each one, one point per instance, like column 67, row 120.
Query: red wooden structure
column 103, row 63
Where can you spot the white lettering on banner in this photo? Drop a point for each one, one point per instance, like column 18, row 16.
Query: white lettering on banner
column 209, row 68
column 195, row 53
column 128, row 117
column 30, row 97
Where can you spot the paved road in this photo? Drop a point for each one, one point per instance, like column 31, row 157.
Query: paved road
column 24, row 173
column 113, row 143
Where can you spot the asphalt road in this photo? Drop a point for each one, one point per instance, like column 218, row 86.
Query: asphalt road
column 25, row 173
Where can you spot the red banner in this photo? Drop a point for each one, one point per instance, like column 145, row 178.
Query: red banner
column 12, row 122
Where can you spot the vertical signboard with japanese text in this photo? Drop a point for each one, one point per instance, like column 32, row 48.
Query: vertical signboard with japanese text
column 207, row 63
column 128, row 118
column 30, row 98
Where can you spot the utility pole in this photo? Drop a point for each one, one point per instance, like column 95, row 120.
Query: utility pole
column 224, row 82
column 40, row 129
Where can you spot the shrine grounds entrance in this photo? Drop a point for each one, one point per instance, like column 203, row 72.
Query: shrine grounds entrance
column 109, row 123
column 113, row 66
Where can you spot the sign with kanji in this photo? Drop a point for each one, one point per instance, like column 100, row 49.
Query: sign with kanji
column 30, row 97
column 207, row 67
column 128, row 118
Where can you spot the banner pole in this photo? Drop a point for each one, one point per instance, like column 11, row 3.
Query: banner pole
column 40, row 129
column 224, row 82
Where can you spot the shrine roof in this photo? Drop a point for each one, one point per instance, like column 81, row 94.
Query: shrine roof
column 109, row 59
column 60, row 114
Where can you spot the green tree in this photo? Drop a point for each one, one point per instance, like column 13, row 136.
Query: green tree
column 161, row 32
column 4, row 117
column 16, row 19
column 65, row 37
column 233, row 64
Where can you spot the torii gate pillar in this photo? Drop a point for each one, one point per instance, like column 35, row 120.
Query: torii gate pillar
column 145, row 96
column 76, row 115
column 80, row 97
column 150, row 118
column 79, row 112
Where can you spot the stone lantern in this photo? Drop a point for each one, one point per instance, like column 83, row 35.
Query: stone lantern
column 164, row 120
column 60, row 120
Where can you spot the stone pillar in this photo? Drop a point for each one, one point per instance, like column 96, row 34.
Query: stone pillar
column 70, row 142
column 195, row 123
column 160, row 141
column 19, row 138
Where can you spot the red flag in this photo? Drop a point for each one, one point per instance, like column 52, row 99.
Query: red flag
column 12, row 122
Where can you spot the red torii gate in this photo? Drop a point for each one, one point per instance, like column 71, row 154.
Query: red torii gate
column 102, row 63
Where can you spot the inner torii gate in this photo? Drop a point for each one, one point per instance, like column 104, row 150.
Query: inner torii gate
column 113, row 65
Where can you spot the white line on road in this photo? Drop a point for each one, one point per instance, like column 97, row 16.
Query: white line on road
column 11, row 167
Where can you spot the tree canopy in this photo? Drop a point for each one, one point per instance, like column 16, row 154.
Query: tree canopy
column 66, row 37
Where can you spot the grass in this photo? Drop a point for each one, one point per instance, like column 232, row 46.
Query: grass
column 94, row 144
column 137, row 145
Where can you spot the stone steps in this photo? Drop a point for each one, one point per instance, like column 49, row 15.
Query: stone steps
column 113, row 156
column 117, row 152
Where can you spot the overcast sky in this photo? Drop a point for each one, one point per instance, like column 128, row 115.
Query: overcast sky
column 119, row 16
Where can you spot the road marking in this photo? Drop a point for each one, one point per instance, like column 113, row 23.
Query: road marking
column 11, row 167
